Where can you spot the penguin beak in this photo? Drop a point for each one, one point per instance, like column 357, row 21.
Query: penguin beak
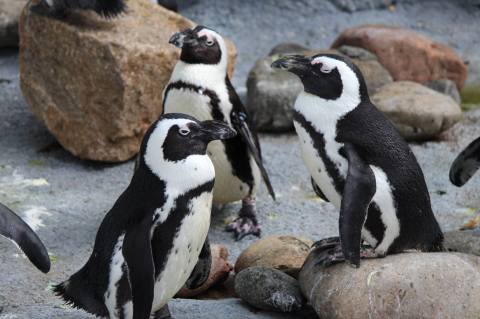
column 180, row 39
column 292, row 63
column 215, row 130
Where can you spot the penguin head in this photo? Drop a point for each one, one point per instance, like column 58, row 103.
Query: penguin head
column 327, row 76
column 175, row 137
column 201, row 46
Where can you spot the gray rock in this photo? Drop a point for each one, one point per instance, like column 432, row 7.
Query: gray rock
column 270, row 96
column 287, row 47
column 9, row 15
column 417, row 112
column 445, row 86
column 409, row 285
column 464, row 241
column 359, row 5
column 268, row 289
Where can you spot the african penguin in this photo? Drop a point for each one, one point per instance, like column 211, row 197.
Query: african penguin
column 199, row 86
column 59, row 8
column 465, row 164
column 15, row 229
column 153, row 240
column 360, row 163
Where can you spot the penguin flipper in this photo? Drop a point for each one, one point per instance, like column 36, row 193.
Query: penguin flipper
column 317, row 190
column 358, row 192
column 466, row 164
column 137, row 249
column 240, row 124
column 202, row 269
column 15, row 229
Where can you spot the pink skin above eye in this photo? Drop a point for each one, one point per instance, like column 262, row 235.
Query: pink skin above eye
column 323, row 67
column 205, row 33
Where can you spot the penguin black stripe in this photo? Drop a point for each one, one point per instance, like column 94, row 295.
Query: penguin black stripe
column 319, row 144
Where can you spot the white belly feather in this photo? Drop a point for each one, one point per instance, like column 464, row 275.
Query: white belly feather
column 182, row 259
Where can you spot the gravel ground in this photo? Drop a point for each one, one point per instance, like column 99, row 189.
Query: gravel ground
column 65, row 198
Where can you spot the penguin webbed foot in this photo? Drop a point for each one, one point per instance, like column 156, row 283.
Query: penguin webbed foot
column 246, row 223
column 329, row 253
column 163, row 313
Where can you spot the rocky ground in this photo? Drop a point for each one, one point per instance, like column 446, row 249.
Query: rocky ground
column 65, row 199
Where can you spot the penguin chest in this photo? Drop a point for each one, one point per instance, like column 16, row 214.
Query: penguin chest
column 320, row 153
column 228, row 187
column 186, row 247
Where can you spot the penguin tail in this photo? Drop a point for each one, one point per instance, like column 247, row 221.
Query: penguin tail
column 78, row 292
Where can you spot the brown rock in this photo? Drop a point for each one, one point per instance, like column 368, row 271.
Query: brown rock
column 97, row 84
column 285, row 253
column 219, row 272
column 406, row 54
column 418, row 113
column 9, row 14
column 409, row 285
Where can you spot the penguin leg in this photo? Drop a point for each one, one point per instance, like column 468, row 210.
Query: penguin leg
column 246, row 223
column 163, row 313
column 202, row 269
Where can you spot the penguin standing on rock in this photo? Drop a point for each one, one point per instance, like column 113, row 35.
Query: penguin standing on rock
column 14, row 228
column 199, row 86
column 58, row 8
column 359, row 163
column 153, row 241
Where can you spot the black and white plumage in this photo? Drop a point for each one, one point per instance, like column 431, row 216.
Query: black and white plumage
column 153, row 240
column 360, row 163
column 58, row 8
column 466, row 164
column 199, row 86
column 15, row 229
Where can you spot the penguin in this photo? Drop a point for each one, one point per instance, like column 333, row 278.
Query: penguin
column 360, row 163
column 465, row 164
column 154, row 239
column 199, row 86
column 59, row 8
column 15, row 229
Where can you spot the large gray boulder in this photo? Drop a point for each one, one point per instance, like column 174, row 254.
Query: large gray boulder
column 418, row 113
column 408, row 285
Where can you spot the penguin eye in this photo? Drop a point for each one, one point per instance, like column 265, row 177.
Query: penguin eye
column 325, row 69
column 210, row 42
column 184, row 131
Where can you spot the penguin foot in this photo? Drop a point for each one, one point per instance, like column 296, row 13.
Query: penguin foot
column 246, row 223
column 244, row 226
column 327, row 243
column 163, row 313
column 330, row 253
